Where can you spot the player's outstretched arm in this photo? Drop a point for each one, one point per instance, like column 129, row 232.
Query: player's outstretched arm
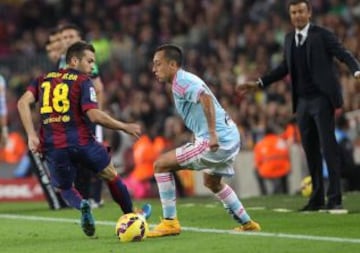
column 24, row 109
column 99, row 117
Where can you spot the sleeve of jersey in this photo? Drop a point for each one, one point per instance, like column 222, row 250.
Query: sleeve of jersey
column 34, row 88
column 88, row 96
column 193, row 90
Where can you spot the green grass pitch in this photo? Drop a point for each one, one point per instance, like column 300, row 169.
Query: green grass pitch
column 32, row 227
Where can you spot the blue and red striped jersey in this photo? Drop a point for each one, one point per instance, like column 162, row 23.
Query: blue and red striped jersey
column 64, row 97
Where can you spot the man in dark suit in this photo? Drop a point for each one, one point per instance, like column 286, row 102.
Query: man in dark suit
column 316, row 93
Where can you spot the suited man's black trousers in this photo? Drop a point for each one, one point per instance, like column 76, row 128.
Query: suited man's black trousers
column 316, row 120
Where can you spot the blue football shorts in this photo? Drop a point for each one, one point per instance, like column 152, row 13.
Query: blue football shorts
column 63, row 162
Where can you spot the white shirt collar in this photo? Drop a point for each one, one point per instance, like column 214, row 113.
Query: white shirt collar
column 304, row 32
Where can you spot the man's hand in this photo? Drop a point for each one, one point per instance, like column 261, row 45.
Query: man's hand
column 213, row 143
column 249, row 86
column 34, row 143
column 132, row 129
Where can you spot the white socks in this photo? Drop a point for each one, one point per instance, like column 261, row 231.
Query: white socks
column 233, row 204
column 167, row 192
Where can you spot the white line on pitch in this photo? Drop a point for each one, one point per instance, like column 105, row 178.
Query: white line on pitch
column 199, row 230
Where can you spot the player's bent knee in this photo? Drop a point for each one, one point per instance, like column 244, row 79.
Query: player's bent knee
column 108, row 174
column 158, row 166
column 213, row 183
column 166, row 162
column 162, row 165
column 213, row 187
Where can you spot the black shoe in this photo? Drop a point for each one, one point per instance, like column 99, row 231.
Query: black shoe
column 311, row 208
column 330, row 206
column 335, row 209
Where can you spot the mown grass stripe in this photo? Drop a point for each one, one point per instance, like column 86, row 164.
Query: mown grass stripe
column 198, row 230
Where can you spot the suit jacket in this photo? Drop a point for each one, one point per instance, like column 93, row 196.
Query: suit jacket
column 321, row 48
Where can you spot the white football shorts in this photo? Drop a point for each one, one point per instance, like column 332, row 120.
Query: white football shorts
column 197, row 156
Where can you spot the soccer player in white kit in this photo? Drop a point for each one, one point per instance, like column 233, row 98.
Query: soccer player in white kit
column 216, row 144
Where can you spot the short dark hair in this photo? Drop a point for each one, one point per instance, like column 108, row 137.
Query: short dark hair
column 70, row 26
column 172, row 52
column 294, row 2
column 52, row 32
column 77, row 50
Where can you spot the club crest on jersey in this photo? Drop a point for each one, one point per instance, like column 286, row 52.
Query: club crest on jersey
column 93, row 94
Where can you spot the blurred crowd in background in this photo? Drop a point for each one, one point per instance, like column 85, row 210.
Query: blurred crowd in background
column 225, row 42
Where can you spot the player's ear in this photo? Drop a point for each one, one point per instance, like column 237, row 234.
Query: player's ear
column 173, row 64
column 74, row 61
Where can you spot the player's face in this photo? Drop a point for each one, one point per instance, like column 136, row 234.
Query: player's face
column 70, row 36
column 86, row 63
column 52, row 54
column 161, row 67
column 300, row 15
column 55, row 45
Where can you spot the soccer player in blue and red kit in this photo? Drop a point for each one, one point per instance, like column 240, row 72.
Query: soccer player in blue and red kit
column 68, row 110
